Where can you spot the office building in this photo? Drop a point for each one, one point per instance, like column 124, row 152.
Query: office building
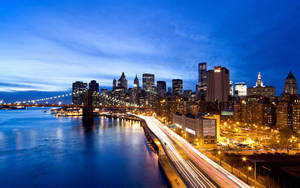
column 177, row 87
column 202, row 80
column 94, row 86
column 77, row 92
column 114, row 84
column 161, row 88
column 240, row 89
column 136, row 83
column 187, row 95
column 290, row 86
column 218, row 84
column 122, row 82
column 231, row 90
column 202, row 129
column 260, row 90
column 148, row 82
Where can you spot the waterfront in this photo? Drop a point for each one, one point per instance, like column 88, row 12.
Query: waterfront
column 39, row 150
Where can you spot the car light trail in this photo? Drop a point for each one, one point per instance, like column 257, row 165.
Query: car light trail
column 187, row 168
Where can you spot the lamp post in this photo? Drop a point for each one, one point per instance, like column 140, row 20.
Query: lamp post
column 219, row 153
column 249, row 169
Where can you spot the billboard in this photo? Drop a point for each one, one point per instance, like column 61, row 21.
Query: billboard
column 209, row 128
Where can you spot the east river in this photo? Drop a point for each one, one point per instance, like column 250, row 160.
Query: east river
column 40, row 150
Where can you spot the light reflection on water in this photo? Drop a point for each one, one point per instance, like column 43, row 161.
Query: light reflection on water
column 39, row 150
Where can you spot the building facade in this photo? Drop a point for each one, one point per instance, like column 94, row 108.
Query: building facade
column 177, row 87
column 202, row 80
column 161, row 88
column 122, row 82
column 148, row 82
column 261, row 90
column 290, row 86
column 77, row 92
column 202, row 131
column 240, row 89
column 218, row 84
column 94, row 86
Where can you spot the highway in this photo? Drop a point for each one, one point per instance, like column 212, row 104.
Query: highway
column 188, row 160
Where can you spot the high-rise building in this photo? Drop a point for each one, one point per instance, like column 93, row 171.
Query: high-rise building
column 94, row 86
column 114, row 84
column 260, row 90
column 161, row 88
column 231, row 90
column 177, row 87
column 77, row 92
column 187, row 94
column 218, row 84
column 240, row 89
column 290, row 86
column 259, row 82
column 202, row 80
column 148, row 82
column 122, row 82
column 296, row 116
column 169, row 91
column 136, row 83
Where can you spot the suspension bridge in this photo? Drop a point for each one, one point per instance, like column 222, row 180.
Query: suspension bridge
column 107, row 101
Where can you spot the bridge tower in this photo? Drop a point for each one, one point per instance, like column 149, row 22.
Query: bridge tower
column 87, row 111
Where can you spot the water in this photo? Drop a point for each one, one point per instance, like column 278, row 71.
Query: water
column 39, row 150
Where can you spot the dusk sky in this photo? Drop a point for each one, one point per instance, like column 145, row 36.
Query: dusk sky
column 48, row 44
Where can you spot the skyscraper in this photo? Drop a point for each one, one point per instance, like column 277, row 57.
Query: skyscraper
column 122, row 82
column 161, row 88
column 77, row 92
column 94, row 86
column 136, row 83
column 240, row 89
column 177, row 87
column 260, row 89
column 114, row 84
column 218, row 84
column 148, row 82
column 259, row 82
column 202, row 80
column 231, row 90
column 290, row 86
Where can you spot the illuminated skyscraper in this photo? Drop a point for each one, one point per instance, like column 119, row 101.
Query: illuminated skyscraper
column 177, row 87
column 161, row 88
column 136, row 83
column 94, row 86
column 202, row 80
column 77, row 92
column 240, row 89
column 218, row 84
column 261, row 90
column 259, row 82
column 148, row 82
column 122, row 82
column 290, row 86
column 114, row 84
column 231, row 90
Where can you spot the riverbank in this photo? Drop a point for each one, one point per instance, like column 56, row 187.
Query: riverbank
column 172, row 176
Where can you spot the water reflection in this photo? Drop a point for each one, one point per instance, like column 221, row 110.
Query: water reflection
column 47, row 151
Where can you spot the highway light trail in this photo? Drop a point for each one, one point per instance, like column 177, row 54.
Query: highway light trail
column 191, row 175
column 188, row 168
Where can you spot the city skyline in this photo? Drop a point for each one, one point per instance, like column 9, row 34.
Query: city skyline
column 37, row 47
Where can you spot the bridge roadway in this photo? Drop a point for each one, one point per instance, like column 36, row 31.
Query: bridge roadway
column 73, row 106
column 195, row 168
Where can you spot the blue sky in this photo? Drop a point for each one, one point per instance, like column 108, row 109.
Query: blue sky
column 47, row 44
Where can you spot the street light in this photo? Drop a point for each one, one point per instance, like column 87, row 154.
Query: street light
column 249, row 168
column 244, row 159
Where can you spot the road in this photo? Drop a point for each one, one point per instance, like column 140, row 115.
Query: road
column 189, row 162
